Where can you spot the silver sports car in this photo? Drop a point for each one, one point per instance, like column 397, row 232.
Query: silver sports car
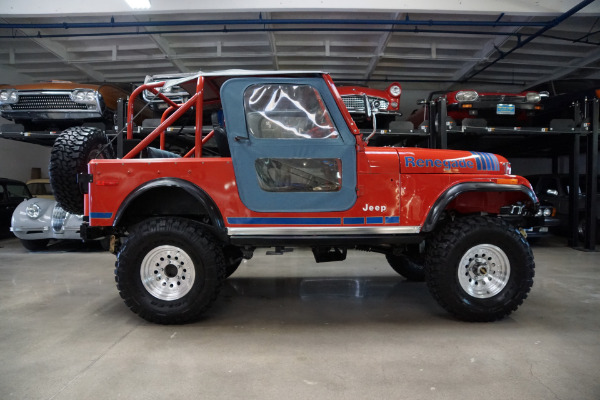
column 37, row 220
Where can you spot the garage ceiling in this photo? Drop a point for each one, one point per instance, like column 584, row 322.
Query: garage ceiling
column 417, row 48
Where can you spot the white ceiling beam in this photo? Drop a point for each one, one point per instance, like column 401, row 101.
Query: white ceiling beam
column 164, row 46
column 272, row 43
column 60, row 51
column 573, row 66
column 487, row 50
column 380, row 50
column 109, row 47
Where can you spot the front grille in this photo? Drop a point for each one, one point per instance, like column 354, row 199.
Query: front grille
column 498, row 98
column 357, row 103
column 58, row 219
column 47, row 102
column 354, row 102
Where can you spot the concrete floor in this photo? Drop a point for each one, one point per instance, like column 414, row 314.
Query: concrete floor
column 287, row 328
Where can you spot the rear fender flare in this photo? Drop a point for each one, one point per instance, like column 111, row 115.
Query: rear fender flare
column 204, row 200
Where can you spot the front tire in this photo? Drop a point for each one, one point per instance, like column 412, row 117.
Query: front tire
column 479, row 268
column 169, row 271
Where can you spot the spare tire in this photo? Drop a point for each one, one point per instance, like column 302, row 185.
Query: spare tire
column 71, row 153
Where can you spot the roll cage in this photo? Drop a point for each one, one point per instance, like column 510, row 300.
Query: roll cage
column 204, row 90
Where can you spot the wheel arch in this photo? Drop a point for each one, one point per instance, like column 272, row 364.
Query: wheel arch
column 169, row 197
column 484, row 190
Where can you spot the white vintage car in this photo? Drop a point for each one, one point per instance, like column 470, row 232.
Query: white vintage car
column 37, row 220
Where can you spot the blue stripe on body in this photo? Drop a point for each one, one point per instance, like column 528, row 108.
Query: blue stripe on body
column 477, row 160
column 101, row 215
column 311, row 221
column 283, row 221
column 354, row 221
column 486, row 161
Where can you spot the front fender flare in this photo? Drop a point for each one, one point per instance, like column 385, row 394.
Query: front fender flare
column 450, row 194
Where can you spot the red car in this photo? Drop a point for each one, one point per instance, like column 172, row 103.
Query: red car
column 385, row 103
column 473, row 108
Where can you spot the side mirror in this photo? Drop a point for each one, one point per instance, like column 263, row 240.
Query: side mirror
column 421, row 102
column 552, row 192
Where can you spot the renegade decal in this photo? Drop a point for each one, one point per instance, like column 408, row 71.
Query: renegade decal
column 481, row 161
column 429, row 162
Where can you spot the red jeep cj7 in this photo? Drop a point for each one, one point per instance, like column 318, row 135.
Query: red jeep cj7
column 293, row 170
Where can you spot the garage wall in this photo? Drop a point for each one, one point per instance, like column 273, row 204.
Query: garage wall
column 18, row 158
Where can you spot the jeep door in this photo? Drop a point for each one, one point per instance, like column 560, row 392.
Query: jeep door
column 292, row 150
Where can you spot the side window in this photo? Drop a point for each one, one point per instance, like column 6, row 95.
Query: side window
column 2, row 195
column 17, row 191
column 299, row 174
column 287, row 111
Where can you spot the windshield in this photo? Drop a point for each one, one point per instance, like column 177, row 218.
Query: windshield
column 40, row 189
column 17, row 191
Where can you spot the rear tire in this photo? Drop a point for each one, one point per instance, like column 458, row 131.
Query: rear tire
column 407, row 267
column 71, row 153
column 170, row 270
column 479, row 268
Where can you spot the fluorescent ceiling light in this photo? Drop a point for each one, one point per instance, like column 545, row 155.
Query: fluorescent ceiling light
column 138, row 4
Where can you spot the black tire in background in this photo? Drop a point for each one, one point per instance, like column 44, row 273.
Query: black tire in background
column 170, row 270
column 70, row 155
column 479, row 268
column 35, row 245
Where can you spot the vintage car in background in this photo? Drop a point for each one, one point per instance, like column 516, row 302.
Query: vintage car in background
column 384, row 103
column 50, row 107
column 482, row 109
column 12, row 193
column 40, row 188
column 554, row 190
column 176, row 93
column 569, row 100
column 550, row 221
column 38, row 220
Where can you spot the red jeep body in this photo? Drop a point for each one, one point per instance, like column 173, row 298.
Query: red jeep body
column 294, row 170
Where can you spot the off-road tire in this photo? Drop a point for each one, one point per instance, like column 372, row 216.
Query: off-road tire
column 479, row 268
column 35, row 245
column 170, row 270
column 407, row 267
column 70, row 155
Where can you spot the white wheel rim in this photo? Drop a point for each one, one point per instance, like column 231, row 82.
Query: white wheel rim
column 167, row 273
column 484, row 271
